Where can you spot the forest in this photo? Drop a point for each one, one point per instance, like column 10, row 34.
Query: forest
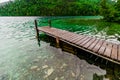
column 109, row 9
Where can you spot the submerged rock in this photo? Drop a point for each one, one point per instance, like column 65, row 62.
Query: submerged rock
column 64, row 65
column 34, row 68
column 62, row 78
column 49, row 72
column 38, row 69
column 73, row 74
column 45, row 66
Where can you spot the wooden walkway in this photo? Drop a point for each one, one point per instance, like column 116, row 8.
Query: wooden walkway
column 99, row 47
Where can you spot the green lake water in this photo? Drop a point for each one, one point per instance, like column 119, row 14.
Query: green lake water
column 22, row 59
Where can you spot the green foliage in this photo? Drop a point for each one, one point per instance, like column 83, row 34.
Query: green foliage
column 50, row 8
column 117, row 6
column 110, row 10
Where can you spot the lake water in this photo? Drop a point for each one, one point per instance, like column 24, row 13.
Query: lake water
column 22, row 59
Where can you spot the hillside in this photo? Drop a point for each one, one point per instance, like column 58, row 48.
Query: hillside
column 108, row 9
column 51, row 8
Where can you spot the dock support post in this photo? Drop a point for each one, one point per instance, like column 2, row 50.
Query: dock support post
column 49, row 21
column 96, row 58
column 106, row 62
column 101, row 60
column 37, row 32
column 57, row 41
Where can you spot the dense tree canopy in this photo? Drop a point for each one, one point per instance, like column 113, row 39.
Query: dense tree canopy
column 50, row 8
column 110, row 10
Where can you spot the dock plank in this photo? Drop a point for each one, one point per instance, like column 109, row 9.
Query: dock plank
column 102, row 48
column 99, row 47
column 93, row 44
column 67, row 35
column 77, row 37
column 77, row 40
column 114, row 54
column 89, row 43
column 86, row 41
column 83, row 39
column 119, row 52
column 73, row 37
column 108, row 50
column 61, row 33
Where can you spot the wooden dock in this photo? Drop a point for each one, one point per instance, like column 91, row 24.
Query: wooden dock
column 98, row 47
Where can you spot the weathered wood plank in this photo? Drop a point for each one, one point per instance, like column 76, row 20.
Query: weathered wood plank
column 60, row 33
column 114, row 54
column 102, row 48
column 77, row 37
column 86, row 41
column 89, row 43
column 49, row 30
column 72, row 37
column 108, row 50
column 66, row 36
column 97, row 46
column 54, row 31
column 79, row 42
column 119, row 52
column 93, row 44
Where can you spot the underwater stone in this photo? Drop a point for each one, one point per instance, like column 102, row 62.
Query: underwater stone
column 49, row 72
column 73, row 74
column 64, row 65
column 62, row 78
column 56, row 78
column 34, row 68
column 38, row 69
column 45, row 66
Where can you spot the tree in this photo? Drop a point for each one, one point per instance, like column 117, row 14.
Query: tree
column 108, row 11
column 51, row 8
column 117, row 6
